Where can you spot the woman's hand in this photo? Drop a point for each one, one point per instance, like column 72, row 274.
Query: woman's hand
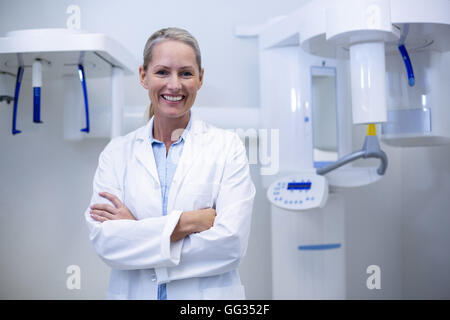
column 193, row 222
column 104, row 212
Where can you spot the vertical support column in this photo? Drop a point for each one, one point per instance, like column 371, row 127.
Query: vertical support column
column 308, row 252
column 117, row 101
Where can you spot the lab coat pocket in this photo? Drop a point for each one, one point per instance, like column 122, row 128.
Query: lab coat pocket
column 235, row 292
column 197, row 196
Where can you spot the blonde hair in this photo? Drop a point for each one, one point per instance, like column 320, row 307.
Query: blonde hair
column 176, row 34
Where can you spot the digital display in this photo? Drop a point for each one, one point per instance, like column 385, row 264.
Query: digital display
column 299, row 186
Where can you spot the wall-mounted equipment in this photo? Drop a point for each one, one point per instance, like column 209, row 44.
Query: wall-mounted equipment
column 66, row 54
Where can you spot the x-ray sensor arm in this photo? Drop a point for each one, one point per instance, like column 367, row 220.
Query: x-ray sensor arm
column 371, row 149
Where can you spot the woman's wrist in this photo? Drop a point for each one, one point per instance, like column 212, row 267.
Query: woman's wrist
column 187, row 223
column 184, row 227
column 193, row 222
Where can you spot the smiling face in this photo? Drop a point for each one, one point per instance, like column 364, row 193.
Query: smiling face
column 172, row 78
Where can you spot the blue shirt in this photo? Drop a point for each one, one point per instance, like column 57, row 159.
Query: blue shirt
column 166, row 170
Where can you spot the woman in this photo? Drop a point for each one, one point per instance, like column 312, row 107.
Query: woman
column 171, row 206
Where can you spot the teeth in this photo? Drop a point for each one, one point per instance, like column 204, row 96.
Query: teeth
column 172, row 98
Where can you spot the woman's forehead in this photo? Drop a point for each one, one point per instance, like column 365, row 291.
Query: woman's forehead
column 172, row 53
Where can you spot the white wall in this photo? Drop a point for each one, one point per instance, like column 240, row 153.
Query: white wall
column 426, row 221
column 401, row 224
column 45, row 182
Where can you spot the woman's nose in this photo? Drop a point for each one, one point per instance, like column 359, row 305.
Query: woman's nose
column 174, row 83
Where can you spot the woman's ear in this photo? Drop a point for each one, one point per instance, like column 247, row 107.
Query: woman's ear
column 201, row 78
column 143, row 77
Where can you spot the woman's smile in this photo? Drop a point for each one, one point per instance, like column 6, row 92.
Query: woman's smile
column 173, row 99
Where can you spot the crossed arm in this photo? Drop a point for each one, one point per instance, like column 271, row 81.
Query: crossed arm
column 189, row 222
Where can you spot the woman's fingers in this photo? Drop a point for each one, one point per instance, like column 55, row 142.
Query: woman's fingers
column 114, row 199
column 98, row 218
column 109, row 212
column 102, row 214
column 104, row 207
column 103, row 211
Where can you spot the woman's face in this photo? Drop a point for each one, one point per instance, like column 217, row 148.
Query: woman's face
column 172, row 78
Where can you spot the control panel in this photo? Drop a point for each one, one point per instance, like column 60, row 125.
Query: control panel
column 299, row 192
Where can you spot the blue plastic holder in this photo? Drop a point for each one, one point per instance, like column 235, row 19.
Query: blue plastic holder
column 86, row 105
column 408, row 65
column 16, row 99
column 37, row 105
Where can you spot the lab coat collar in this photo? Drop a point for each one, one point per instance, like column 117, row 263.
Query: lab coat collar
column 180, row 138
column 191, row 150
column 197, row 126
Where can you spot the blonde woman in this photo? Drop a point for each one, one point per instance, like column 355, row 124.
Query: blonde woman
column 172, row 201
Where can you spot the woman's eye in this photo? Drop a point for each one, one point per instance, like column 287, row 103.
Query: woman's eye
column 187, row 74
column 161, row 72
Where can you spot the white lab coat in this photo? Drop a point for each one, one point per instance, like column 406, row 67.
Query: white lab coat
column 213, row 172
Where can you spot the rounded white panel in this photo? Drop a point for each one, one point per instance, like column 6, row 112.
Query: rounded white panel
column 344, row 18
column 367, row 68
column 302, row 191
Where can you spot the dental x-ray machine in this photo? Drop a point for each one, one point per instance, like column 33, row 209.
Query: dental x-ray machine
column 385, row 58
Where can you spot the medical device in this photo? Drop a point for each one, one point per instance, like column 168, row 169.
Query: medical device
column 68, row 55
column 388, row 60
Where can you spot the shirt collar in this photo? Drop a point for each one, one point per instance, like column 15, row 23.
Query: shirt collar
column 182, row 137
